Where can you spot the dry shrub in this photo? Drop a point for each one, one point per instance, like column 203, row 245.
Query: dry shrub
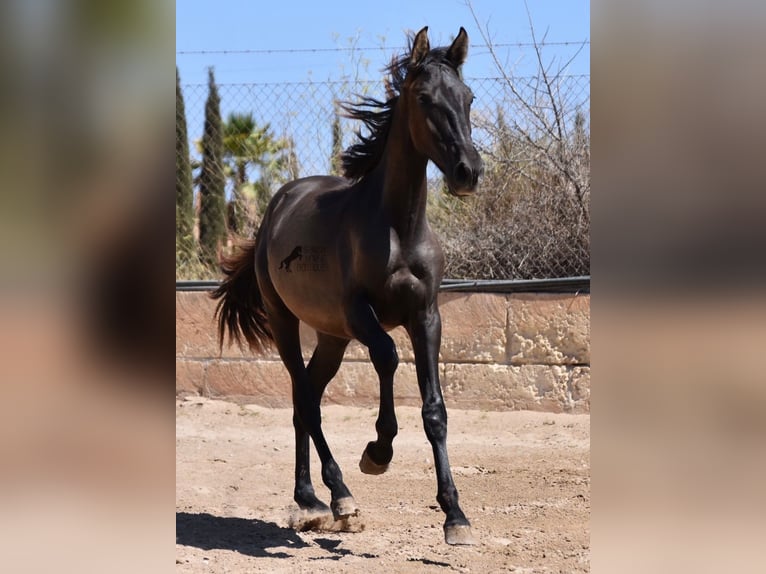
column 528, row 220
column 531, row 218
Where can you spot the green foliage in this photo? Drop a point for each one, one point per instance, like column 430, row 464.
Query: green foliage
column 248, row 146
column 242, row 141
column 212, row 222
column 185, row 245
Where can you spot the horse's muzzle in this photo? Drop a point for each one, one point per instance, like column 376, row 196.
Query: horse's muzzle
column 465, row 176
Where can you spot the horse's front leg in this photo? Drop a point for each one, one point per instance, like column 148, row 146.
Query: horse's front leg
column 366, row 328
column 425, row 333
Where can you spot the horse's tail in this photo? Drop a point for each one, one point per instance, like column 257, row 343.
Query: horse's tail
column 240, row 307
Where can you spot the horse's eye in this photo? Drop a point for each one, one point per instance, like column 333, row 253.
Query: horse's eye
column 424, row 100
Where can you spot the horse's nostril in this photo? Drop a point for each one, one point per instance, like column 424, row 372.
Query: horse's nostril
column 467, row 176
column 463, row 173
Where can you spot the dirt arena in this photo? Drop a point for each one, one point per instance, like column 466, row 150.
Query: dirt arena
column 523, row 478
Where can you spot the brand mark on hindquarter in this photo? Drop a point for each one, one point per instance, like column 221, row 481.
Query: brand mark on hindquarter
column 296, row 253
column 308, row 257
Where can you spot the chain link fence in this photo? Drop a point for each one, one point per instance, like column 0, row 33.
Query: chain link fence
column 531, row 217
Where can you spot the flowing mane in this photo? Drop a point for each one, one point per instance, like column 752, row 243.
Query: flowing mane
column 360, row 158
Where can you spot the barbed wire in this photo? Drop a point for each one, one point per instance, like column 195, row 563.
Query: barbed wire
column 269, row 51
column 370, row 82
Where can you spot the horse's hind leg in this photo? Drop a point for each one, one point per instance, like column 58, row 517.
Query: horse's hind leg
column 307, row 414
column 324, row 364
column 366, row 328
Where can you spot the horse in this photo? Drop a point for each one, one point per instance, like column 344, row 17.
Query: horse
column 370, row 263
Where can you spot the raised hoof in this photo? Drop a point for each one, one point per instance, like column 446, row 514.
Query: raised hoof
column 368, row 466
column 459, row 534
column 344, row 508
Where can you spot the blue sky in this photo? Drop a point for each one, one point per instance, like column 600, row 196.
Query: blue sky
column 207, row 25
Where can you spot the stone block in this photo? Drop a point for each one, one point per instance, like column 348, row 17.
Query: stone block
column 195, row 328
column 266, row 382
column 190, row 376
column 578, row 384
column 473, row 327
column 549, row 329
column 523, row 387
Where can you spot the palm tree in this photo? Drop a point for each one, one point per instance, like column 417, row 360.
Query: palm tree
column 248, row 145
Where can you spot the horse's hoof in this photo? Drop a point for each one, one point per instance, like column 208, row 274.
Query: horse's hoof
column 459, row 534
column 344, row 508
column 303, row 519
column 368, row 466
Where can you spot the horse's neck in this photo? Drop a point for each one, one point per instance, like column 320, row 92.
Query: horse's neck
column 403, row 179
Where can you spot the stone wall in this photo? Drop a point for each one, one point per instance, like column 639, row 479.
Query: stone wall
column 499, row 352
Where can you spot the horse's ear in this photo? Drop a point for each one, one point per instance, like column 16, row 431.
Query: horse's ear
column 420, row 47
column 459, row 49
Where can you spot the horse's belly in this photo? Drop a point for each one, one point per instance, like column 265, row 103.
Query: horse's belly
column 322, row 316
column 311, row 290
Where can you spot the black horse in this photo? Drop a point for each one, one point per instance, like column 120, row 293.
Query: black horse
column 370, row 263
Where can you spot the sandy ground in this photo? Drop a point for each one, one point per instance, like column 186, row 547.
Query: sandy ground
column 523, row 478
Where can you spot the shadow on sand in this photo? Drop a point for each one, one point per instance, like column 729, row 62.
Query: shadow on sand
column 248, row 536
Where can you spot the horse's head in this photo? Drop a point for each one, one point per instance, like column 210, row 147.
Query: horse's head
column 439, row 110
